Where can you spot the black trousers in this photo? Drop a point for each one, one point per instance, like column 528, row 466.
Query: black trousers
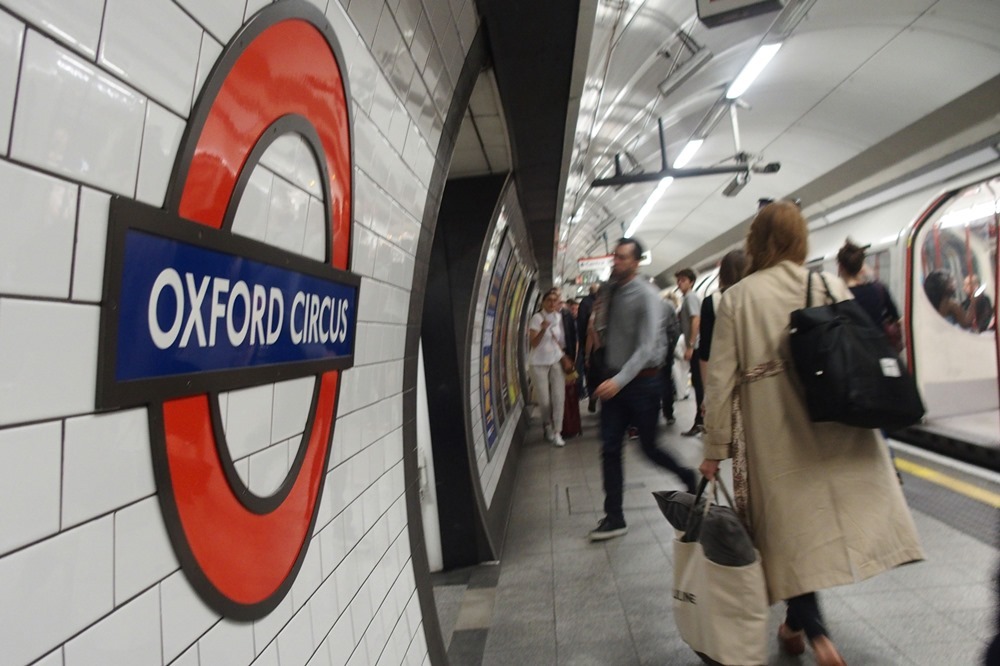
column 667, row 379
column 699, row 387
column 803, row 614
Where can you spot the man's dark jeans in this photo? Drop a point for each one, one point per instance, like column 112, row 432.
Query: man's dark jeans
column 667, row 381
column 637, row 404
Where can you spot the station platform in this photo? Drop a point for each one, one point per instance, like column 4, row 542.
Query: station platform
column 556, row 598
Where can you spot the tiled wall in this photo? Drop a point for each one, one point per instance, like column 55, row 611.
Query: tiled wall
column 94, row 98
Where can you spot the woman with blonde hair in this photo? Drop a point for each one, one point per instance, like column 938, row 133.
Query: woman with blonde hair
column 809, row 487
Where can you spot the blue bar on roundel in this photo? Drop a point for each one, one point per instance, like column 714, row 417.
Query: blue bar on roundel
column 188, row 309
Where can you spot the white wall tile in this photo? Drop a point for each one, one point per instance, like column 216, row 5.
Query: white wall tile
column 365, row 16
column 228, row 643
column 253, row 6
column 91, row 241
column 54, row 658
column 365, row 248
column 48, row 360
column 143, row 553
column 319, row 4
column 106, row 464
column 185, row 616
column 295, row 642
column 268, row 468
column 62, row 586
column 11, row 43
column 189, row 658
column 292, row 400
column 333, row 546
column 248, row 420
column 309, row 577
column 315, row 243
column 266, row 628
column 280, row 157
column 341, row 640
column 306, row 173
column 251, row 211
column 37, row 222
column 76, row 23
column 322, row 655
column 468, row 24
column 286, row 216
column 75, row 120
column 324, row 608
column 160, row 139
column 268, row 657
column 130, row 635
column 221, row 17
column 153, row 46
column 30, row 464
column 210, row 52
column 398, row 127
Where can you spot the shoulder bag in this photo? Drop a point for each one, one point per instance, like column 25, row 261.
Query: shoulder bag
column 848, row 370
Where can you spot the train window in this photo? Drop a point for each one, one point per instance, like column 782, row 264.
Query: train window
column 959, row 257
column 878, row 265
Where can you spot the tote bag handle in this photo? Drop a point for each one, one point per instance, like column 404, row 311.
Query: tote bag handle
column 716, row 484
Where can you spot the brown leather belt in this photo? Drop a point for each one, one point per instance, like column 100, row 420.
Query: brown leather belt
column 648, row 372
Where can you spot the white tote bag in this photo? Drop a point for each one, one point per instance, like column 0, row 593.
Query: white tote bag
column 721, row 611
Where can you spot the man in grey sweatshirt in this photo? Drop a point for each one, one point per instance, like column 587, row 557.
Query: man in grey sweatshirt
column 635, row 344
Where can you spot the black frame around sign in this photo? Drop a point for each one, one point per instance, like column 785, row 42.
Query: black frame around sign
column 126, row 214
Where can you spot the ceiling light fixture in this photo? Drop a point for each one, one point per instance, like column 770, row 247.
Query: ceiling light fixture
column 687, row 153
column 752, row 69
column 684, row 71
column 647, row 207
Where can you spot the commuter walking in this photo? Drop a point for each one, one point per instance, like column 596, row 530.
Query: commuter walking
column 546, row 341
column 690, row 316
column 731, row 270
column 634, row 347
column 673, row 331
column 583, row 313
column 873, row 296
column 810, row 487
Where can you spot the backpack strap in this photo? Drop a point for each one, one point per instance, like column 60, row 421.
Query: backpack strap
column 826, row 288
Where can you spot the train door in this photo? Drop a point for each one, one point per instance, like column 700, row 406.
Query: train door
column 951, row 302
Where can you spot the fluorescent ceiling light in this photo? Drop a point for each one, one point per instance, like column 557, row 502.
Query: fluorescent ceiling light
column 752, row 70
column 647, row 207
column 689, row 150
column 685, row 71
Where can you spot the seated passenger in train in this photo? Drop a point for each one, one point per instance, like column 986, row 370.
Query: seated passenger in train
column 977, row 304
column 939, row 285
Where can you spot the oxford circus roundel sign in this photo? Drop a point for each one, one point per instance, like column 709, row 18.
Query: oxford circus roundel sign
column 191, row 309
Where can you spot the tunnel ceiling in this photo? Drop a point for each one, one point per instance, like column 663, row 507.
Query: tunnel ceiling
column 532, row 45
column 854, row 83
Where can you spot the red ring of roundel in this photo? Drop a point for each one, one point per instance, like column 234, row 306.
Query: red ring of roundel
column 242, row 562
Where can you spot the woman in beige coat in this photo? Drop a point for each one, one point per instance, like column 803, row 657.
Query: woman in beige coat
column 823, row 503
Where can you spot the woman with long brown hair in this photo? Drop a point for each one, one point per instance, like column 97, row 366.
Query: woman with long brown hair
column 810, row 487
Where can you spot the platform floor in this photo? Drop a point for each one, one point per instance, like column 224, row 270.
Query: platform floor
column 557, row 598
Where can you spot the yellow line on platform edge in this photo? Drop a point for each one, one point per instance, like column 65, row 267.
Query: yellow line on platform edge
column 960, row 487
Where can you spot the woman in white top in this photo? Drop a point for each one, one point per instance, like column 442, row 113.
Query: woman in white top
column 547, row 339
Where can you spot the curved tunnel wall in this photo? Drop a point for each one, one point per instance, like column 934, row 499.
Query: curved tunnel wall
column 94, row 101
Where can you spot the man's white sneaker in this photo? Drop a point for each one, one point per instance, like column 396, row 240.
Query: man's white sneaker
column 558, row 440
column 548, row 433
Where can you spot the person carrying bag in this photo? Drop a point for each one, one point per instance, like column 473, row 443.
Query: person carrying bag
column 720, row 597
column 847, row 368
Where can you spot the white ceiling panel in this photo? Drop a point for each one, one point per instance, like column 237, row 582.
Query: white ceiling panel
column 851, row 74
